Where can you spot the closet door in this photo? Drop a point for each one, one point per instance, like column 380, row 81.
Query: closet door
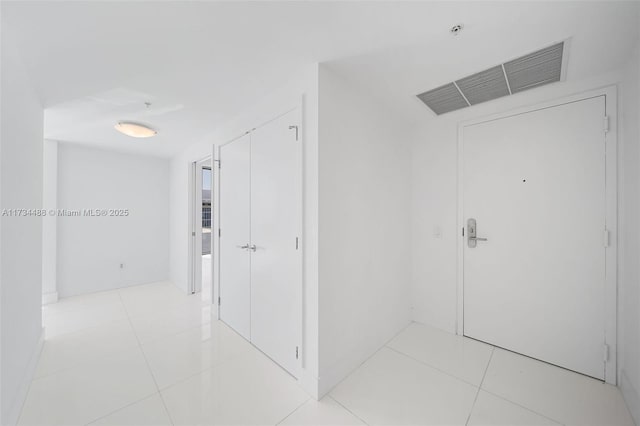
column 276, row 261
column 235, row 237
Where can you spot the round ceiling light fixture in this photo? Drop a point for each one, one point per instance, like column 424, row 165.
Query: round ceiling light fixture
column 455, row 30
column 135, row 130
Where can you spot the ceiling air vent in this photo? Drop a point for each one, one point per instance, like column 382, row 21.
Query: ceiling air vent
column 444, row 99
column 529, row 71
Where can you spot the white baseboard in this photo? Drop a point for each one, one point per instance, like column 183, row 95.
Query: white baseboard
column 18, row 402
column 631, row 396
column 49, row 298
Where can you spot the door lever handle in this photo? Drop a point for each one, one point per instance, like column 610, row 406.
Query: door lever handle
column 244, row 247
column 472, row 229
column 252, row 247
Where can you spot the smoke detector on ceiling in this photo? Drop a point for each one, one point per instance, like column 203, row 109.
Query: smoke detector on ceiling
column 455, row 30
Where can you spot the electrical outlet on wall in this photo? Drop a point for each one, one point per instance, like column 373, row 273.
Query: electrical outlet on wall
column 437, row 231
column 122, row 266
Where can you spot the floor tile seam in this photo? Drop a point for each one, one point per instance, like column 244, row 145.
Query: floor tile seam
column 486, row 368
column 519, row 404
column 426, row 364
column 347, row 408
column 384, row 345
column 144, row 356
column 166, row 408
column 169, row 335
column 82, row 364
column 294, row 410
column 120, row 408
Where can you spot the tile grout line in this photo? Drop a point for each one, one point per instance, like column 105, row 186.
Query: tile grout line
column 144, row 356
column 121, row 408
column 369, row 357
column 513, row 402
column 523, row 407
column 345, row 407
column 431, row 366
column 480, row 386
column 328, row 394
column 294, row 410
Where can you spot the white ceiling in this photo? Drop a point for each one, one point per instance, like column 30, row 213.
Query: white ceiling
column 200, row 63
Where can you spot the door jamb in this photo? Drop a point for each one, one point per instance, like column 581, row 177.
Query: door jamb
column 193, row 175
column 611, row 199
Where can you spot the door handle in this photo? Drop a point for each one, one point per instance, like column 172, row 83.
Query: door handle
column 472, row 229
column 252, row 247
column 244, row 247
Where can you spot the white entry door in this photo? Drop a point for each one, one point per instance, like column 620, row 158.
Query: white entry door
column 276, row 265
column 235, row 237
column 535, row 185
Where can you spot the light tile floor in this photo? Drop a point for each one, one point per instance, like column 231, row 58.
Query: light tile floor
column 150, row 355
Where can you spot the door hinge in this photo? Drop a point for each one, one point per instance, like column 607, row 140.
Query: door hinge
column 606, row 123
column 219, row 232
column 297, row 352
column 193, row 233
column 605, row 238
column 297, row 244
column 218, row 300
column 463, row 231
column 605, row 352
column 294, row 127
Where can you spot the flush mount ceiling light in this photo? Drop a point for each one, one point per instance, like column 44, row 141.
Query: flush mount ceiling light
column 135, row 130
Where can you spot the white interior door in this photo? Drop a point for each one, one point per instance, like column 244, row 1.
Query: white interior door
column 535, row 183
column 276, row 270
column 235, row 260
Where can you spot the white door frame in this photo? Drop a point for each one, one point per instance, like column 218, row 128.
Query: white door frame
column 194, row 249
column 297, row 104
column 611, row 176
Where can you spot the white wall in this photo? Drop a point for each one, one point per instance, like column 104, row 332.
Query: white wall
column 21, row 237
column 364, row 171
column 303, row 87
column 629, row 262
column 49, row 222
column 90, row 250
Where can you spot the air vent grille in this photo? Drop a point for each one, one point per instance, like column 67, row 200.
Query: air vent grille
column 443, row 99
column 536, row 69
column 533, row 70
column 484, row 86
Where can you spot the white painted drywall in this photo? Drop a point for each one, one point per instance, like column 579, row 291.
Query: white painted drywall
column 364, row 219
column 629, row 213
column 21, row 237
column 90, row 250
column 301, row 88
column 49, row 222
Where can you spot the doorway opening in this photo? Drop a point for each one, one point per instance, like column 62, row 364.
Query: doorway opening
column 202, row 221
